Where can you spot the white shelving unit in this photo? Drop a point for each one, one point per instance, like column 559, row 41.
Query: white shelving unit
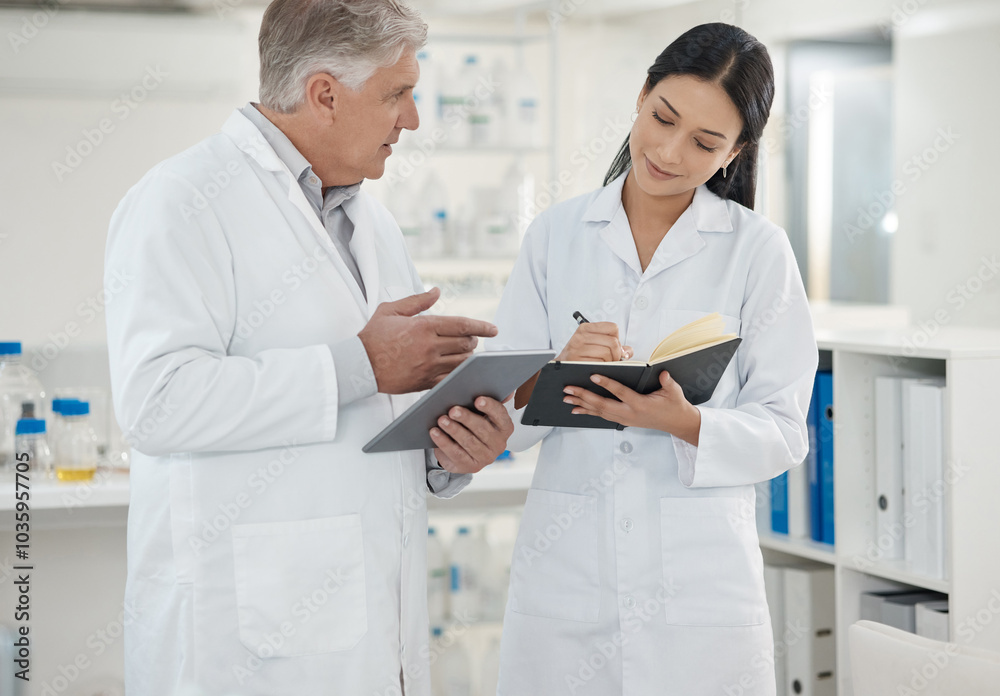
column 969, row 360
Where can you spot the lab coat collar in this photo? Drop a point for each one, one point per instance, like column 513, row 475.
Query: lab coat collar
column 710, row 211
column 707, row 213
column 249, row 139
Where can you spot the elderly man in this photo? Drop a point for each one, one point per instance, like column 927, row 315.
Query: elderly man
column 272, row 328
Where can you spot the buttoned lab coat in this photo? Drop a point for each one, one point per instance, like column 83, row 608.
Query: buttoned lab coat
column 637, row 569
column 266, row 553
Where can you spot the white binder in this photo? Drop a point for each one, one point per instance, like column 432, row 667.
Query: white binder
column 809, row 607
column 923, row 475
column 889, row 529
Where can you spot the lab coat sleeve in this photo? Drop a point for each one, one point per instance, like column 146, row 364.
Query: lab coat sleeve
column 175, row 388
column 765, row 434
column 522, row 319
column 442, row 483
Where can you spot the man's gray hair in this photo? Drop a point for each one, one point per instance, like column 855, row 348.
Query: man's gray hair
column 348, row 39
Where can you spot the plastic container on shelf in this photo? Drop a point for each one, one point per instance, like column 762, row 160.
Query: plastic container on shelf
column 517, row 201
column 453, row 101
column 489, row 673
column 438, row 579
column 77, row 445
column 404, row 206
column 523, row 120
column 433, row 201
column 450, row 671
column 469, row 558
column 18, row 385
column 425, row 93
column 30, row 439
column 56, row 426
column 494, row 234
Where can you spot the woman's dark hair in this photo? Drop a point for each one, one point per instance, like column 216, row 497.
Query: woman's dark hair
column 739, row 63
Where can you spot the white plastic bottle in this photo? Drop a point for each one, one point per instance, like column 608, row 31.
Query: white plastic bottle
column 450, row 672
column 499, row 80
column 30, row 440
column 469, row 558
column 453, row 108
column 402, row 202
column 425, row 93
column 18, row 385
column 435, row 215
column 517, row 204
column 438, row 577
column 523, row 120
column 78, row 444
column 489, row 675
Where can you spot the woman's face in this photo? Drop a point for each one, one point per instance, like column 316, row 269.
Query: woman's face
column 685, row 131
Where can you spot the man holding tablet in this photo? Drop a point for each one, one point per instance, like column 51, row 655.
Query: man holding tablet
column 271, row 328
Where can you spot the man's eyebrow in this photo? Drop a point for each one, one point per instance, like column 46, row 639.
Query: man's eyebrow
column 703, row 130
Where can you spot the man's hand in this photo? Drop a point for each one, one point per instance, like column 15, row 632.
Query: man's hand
column 467, row 441
column 411, row 353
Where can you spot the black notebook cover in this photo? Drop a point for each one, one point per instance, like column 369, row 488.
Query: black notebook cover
column 698, row 374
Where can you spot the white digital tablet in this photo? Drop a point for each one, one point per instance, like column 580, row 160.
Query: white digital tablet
column 496, row 374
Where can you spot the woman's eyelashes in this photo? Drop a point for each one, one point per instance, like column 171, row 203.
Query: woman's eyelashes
column 670, row 123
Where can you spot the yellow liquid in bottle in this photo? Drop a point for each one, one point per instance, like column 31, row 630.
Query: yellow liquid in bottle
column 75, row 474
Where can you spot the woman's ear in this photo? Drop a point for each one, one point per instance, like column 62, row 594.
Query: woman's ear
column 732, row 155
column 643, row 93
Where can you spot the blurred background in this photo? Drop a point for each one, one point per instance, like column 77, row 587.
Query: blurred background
column 875, row 161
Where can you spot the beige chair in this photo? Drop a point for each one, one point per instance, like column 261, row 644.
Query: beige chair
column 886, row 661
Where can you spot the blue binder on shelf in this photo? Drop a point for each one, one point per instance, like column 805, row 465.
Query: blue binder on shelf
column 779, row 503
column 824, row 451
column 812, row 467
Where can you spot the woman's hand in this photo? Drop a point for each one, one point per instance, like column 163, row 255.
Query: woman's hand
column 665, row 409
column 595, row 341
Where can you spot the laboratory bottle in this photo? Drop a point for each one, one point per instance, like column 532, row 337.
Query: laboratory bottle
column 523, row 120
column 489, row 673
column 468, row 563
column 78, row 444
column 454, row 108
column 437, row 579
column 18, row 385
column 425, row 93
column 434, row 202
column 30, row 440
column 450, row 671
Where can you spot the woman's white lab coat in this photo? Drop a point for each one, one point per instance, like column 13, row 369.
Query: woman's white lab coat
column 266, row 553
column 637, row 569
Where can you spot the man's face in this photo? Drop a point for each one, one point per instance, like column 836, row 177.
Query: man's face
column 371, row 120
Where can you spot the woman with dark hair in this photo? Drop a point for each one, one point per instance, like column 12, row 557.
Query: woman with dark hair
column 637, row 568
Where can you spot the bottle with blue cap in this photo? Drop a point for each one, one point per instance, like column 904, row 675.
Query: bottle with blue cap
column 31, row 447
column 78, row 443
column 18, row 385
column 469, row 556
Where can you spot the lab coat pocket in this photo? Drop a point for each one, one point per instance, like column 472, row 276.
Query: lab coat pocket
column 555, row 572
column 712, row 565
column 300, row 586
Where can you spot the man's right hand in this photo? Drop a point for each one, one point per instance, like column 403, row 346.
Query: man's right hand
column 411, row 353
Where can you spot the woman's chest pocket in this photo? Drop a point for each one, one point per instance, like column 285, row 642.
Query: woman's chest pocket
column 726, row 374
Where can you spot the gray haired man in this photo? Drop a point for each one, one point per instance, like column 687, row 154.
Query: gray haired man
column 276, row 312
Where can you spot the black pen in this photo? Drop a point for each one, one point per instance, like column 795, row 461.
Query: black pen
column 580, row 319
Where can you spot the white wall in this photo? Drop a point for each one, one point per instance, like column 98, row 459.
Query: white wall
column 68, row 79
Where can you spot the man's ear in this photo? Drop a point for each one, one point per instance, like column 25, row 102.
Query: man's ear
column 323, row 96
